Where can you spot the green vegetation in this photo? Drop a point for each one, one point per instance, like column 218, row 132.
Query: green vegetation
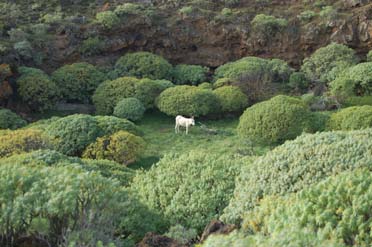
column 189, row 74
column 275, row 121
column 351, row 118
column 10, row 120
column 107, row 19
column 231, row 98
column 268, row 25
column 129, row 108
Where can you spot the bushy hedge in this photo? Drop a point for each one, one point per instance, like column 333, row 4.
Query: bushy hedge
column 109, row 93
column 22, row 141
column 110, row 125
column 334, row 209
column 189, row 74
column 37, row 89
column 10, row 120
column 107, row 19
column 351, row 118
column 143, row 65
column 206, row 85
column 73, row 133
column 187, row 100
column 268, row 25
column 297, row 164
column 189, row 189
column 231, row 98
column 327, row 62
column 275, row 121
column 122, row 147
column 129, row 108
column 78, row 81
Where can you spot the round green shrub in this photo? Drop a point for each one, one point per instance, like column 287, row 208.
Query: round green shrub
column 275, row 121
column 129, row 108
column 325, row 62
column 78, row 81
column 108, row 19
column 297, row 164
column 223, row 82
column 143, row 65
column 188, row 101
column 22, row 141
column 298, row 82
column 334, row 209
column 10, row 120
column 206, row 85
column 189, row 74
column 122, row 147
column 37, row 89
column 72, row 134
column 231, row 98
column 189, row 189
column 358, row 101
column 110, row 125
column 351, row 118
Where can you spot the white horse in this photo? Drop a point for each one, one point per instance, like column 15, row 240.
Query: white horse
column 184, row 122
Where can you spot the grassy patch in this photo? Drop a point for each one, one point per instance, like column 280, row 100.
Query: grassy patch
column 210, row 135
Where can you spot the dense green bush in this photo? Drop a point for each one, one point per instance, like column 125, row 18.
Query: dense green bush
column 122, row 147
column 335, row 209
column 10, row 120
column 188, row 100
column 73, row 133
column 143, row 65
column 189, row 74
column 206, row 85
column 327, row 62
column 37, row 89
column 298, row 82
column 351, row 118
column 369, row 56
column 108, row 19
column 268, row 25
column 358, row 101
column 109, row 93
column 129, row 108
column 275, row 121
column 223, row 82
column 231, row 98
column 306, row 15
column 189, row 189
column 22, row 141
column 110, row 125
column 92, row 46
column 68, row 204
column 78, row 81
column 297, row 164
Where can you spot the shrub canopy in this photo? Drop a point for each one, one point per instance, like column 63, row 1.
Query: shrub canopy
column 297, row 164
column 78, row 81
column 351, row 118
column 129, row 108
column 231, row 98
column 276, row 120
column 111, row 125
column 143, row 65
column 188, row 101
column 10, row 120
column 37, row 89
column 189, row 74
column 189, row 189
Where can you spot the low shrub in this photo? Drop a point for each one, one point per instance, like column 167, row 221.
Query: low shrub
column 187, row 100
column 129, row 108
column 207, row 181
column 297, row 164
column 231, row 98
column 22, row 141
column 78, row 81
column 298, row 82
column 268, row 25
column 107, row 19
column 189, row 74
column 110, row 125
column 10, row 120
column 358, row 101
column 122, row 147
column 143, row 65
column 275, row 121
column 351, row 118
column 37, row 89
column 206, row 85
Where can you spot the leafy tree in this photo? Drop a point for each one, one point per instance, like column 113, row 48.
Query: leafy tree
column 188, row 100
column 320, row 66
column 10, row 120
column 275, row 121
column 297, row 164
column 351, row 118
column 78, row 81
column 37, row 89
column 189, row 74
column 193, row 198
column 231, row 98
column 122, row 147
column 143, row 65
column 129, row 108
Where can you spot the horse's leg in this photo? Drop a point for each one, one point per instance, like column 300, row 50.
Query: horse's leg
column 187, row 129
column 176, row 128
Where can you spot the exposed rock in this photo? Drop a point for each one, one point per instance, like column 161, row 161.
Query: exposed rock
column 216, row 227
column 154, row 240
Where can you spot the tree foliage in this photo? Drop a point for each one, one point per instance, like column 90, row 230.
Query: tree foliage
column 231, row 98
column 10, row 120
column 129, row 108
column 189, row 74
